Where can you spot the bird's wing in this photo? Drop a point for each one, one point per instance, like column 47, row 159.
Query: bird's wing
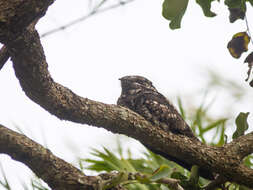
column 159, row 111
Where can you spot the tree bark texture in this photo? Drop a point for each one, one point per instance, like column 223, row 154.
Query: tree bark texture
column 17, row 33
column 57, row 173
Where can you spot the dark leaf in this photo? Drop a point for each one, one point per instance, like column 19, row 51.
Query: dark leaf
column 249, row 60
column 241, row 4
column 235, row 14
column 238, row 44
column 241, row 125
column 251, row 83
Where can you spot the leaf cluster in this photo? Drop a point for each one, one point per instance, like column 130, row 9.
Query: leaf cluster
column 174, row 10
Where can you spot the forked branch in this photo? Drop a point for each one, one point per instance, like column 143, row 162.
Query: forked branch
column 31, row 69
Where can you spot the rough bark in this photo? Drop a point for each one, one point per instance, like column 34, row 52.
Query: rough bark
column 30, row 67
column 57, row 173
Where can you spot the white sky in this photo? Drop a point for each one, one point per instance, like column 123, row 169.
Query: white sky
column 134, row 39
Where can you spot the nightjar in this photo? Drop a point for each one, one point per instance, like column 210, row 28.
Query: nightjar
column 139, row 95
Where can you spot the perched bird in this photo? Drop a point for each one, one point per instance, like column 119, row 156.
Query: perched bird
column 139, row 95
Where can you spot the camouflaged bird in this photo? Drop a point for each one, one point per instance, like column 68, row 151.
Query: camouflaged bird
column 139, row 95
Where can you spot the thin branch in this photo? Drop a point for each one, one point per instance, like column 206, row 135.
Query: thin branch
column 125, row 178
column 95, row 11
column 57, row 173
column 4, row 55
column 248, row 29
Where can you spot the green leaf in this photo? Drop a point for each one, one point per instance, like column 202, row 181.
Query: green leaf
column 174, row 10
column 5, row 182
column 181, row 108
column 248, row 161
column 161, row 172
column 214, row 125
column 113, row 158
column 241, row 124
column 206, row 7
column 127, row 165
column 223, row 137
column 194, row 177
column 100, row 165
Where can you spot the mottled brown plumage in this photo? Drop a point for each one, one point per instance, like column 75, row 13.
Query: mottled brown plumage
column 139, row 95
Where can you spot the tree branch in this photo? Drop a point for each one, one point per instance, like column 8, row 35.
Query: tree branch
column 95, row 11
column 57, row 173
column 4, row 55
column 39, row 86
column 242, row 146
column 16, row 15
column 31, row 70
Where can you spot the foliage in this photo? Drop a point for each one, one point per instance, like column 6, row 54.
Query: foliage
column 157, row 167
column 174, row 10
column 241, row 125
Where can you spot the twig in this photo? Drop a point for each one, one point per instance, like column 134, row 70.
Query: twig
column 171, row 182
column 96, row 10
column 248, row 29
column 4, row 56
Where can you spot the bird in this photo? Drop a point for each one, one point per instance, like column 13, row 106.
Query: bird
column 139, row 95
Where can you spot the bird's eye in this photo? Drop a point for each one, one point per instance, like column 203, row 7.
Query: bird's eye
column 142, row 82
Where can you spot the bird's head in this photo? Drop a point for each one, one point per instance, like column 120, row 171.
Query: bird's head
column 134, row 82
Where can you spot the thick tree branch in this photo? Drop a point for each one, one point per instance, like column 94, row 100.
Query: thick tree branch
column 31, row 69
column 16, row 15
column 242, row 146
column 57, row 173
column 39, row 86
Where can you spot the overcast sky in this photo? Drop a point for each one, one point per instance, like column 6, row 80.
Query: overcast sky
column 134, row 39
